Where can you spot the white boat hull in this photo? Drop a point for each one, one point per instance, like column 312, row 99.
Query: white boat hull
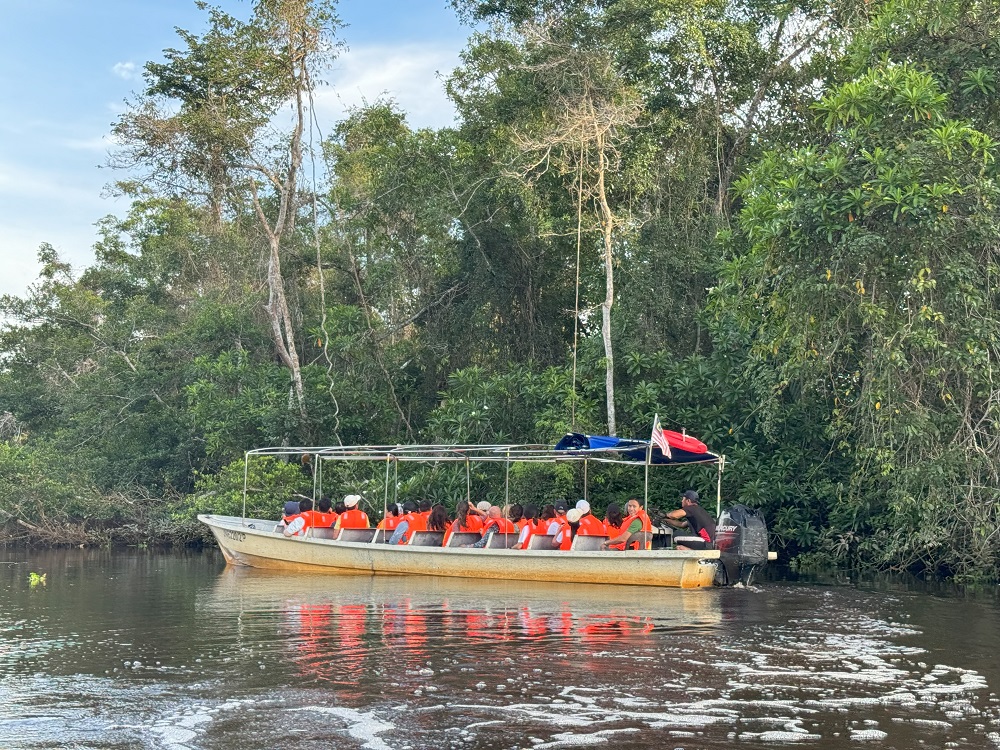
column 254, row 543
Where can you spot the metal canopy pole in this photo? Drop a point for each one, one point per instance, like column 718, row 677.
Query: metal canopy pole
column 385, row 495
column 649, row 459
column 246, row 479
column 468, row 481
column 586, row 481
column 718, row 488
column 506, row 481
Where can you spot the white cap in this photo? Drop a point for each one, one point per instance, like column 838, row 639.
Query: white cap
column 574, row 515
column 583, row 506
column 352, row 500
column 483, row 505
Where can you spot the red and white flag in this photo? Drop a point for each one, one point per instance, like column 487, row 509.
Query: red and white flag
column 658, row 438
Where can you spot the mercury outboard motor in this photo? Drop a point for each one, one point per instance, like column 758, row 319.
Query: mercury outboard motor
column 741, row 538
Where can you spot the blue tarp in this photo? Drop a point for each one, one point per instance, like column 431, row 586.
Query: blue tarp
column 629, row 450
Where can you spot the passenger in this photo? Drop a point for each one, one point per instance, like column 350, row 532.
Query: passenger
column 324, row 517
column 613, row 521
column 289, row 512
column 547, row 523
column 438, row 518
column 411, row 521
column 692, row 516
column 636, row 521
column 393, row 515
column 515, row 513
column 424, row 509
column 298, row 524
column 339, row 508
column 527, row 527
column 568, row 525
column 495, row 523
column 352, row 517
column 465, row 520
column 483, row 506
column 589, row 526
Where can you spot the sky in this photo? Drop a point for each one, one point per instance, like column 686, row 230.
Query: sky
column 68, row 66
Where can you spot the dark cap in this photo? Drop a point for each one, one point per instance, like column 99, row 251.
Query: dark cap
column 291, row 508
column 560, row 505
column 690, row 495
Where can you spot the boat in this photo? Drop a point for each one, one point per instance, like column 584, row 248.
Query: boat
column 741, row 549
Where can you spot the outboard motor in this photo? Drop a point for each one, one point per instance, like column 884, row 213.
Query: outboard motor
column 741, row 538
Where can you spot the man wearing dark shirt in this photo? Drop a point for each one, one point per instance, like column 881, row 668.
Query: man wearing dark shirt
column 692, row 516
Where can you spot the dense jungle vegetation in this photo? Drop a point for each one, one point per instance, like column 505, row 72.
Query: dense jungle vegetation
column 774, row 224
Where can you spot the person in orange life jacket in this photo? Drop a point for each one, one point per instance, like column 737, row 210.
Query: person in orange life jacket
column 613, row 521
column 515, row 514
column 568, row 526
column 393, row 515
column 411, row 521
column 637, row 520
column 589, row 526
column 290, row 510
column 495, row 523
column 437, row 520
column 692, row 516
column 424, row 509
column 339, row 508
column 527, row 526
column 465, row 520
column 298, row 524
column 323, row 517
column 548, row 522
column 352, row 517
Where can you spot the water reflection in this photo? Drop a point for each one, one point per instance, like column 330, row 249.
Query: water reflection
column 179, row 652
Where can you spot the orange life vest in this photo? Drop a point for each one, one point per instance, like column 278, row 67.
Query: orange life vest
column 352, row 518
column 389, row 523
column 591, row 526
column 503, row 526
column 614, row 531
column 415, row 522
column 320, row 520
column 567, row 533
column 304, row 517
column 646, row 526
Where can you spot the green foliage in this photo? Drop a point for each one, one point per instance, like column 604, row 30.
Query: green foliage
column 799, row 203
column 866, row 293
column 270, row 483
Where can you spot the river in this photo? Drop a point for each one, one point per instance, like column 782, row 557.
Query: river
column 175, row 651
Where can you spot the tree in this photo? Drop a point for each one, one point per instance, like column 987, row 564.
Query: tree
column 866, row 289
column 203, row 127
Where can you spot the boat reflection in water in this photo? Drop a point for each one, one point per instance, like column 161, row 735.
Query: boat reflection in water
column 357, row 632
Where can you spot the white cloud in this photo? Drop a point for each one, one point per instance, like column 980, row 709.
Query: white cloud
column 126, row 70
column 406, row 73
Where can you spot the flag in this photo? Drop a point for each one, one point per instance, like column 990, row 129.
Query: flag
column 659, row 438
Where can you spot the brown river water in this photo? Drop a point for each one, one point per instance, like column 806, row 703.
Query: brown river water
column 177, row 651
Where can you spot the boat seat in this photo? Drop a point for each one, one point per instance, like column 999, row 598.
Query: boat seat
column 502, row 541
column 663, row 537
column 317, row 532
column 643, row 538
column 382, row 536
column 541, row 541
column 426, row 539
column 464, row 537
column 696, row 541
column 587, row 543
column 356, row 535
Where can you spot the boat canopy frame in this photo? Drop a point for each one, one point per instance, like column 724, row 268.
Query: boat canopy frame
column 576, row 449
